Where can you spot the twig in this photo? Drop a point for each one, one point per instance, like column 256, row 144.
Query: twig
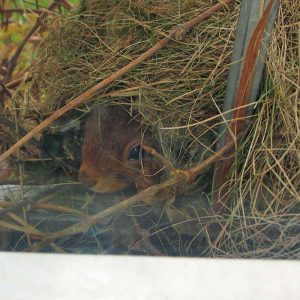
column 29, row 202
column 176, row 32
column 13, row 84
column 27, row 230
column 195, row 171
column 180, row 176
column 46, row 206
column 160, row 157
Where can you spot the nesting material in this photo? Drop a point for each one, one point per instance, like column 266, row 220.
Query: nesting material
column 178, row 93
column 181, row 84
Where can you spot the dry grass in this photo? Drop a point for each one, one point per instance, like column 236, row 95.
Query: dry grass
column 181, row 87
column 266, row 179
column 183, row 83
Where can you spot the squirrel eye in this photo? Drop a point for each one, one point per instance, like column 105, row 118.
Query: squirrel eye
column 136, row 153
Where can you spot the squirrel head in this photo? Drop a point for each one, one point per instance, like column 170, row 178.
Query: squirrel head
column 112, row 154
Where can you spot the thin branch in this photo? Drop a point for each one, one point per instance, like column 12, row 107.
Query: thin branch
column 180, row 176
column 14, row 83
column 176, row 33
column 46, row 206
column 195, row 171
column 160, row 157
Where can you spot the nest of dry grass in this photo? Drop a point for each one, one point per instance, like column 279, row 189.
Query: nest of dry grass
column 182, row 85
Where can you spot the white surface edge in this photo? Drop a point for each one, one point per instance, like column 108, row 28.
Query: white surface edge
column 58, row 276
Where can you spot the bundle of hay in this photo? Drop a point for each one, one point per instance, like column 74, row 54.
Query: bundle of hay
column 182, row 86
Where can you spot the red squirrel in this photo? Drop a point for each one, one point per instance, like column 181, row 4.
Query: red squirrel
column 112, row 154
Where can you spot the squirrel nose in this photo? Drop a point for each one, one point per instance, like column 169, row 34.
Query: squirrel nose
column 86, row 179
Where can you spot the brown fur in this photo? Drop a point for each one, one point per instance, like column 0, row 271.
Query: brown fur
column 110, row 133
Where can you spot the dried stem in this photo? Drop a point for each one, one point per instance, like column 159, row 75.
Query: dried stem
column 14, row 83
column 160, row 157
